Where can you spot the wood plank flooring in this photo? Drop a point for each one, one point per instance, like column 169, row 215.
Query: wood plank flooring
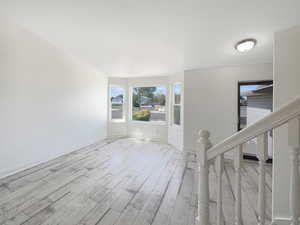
column 126, row 182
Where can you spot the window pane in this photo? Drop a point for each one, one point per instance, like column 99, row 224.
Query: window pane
column 177, row 114
column 149, row 103
column 117, row 96
column 177, row 93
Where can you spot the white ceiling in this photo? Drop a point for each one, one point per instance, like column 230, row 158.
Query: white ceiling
column 144, row 38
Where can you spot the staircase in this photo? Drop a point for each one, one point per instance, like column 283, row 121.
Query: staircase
column 213, row 156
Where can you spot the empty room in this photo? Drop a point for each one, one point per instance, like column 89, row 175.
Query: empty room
column 149, row 112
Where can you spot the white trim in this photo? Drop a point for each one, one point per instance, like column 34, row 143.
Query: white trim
column 118, row 121
column 158, row 123
column 116, row 137
column 34, row 164
column 281, row 221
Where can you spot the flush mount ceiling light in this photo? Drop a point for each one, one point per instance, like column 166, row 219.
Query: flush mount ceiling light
column 245, row 45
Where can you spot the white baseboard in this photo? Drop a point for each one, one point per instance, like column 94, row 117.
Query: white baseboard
column 152, row 139
column 4, row 174
column 116, row 137
column 281, row 221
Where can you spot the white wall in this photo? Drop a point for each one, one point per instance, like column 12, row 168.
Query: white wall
column 211, row 99
column 287, row 86
column 175, row 132
column 50, row 103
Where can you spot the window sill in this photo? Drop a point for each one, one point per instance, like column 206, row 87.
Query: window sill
column 157, row 123
column 117, row 121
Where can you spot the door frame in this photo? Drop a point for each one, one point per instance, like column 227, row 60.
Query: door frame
column 241, row 83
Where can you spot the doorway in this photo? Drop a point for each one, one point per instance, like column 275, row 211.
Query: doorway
column 255, row 101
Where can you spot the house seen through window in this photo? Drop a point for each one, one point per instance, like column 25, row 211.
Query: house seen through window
column 255, row 103
column 149, row 103
column 117, row 100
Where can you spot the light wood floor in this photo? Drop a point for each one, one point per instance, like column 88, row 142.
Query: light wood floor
column 126, row 182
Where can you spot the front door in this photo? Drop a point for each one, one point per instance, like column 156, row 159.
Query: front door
column 255, row 101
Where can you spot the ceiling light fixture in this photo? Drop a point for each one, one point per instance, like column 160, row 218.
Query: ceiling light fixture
column 245, row 45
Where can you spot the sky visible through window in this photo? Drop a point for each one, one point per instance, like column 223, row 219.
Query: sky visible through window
column 177, row 89
column 116, row 91
column 158, row 90
column 246, row 88
column 161, row 90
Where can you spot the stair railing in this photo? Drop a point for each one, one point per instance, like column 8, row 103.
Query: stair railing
column 208, row 154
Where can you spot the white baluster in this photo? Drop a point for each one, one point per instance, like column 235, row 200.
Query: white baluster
column 262, row 148
column 238, row 189
column 203, row 144
column 294, row 143
column 219, row 168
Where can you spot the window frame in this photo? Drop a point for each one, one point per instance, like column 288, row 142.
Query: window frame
column 174, row 104
column 123, row 119
column 242, row 83
column 130, row 114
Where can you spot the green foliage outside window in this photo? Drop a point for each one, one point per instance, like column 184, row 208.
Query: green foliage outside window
column 148, row 103
column 143, row 115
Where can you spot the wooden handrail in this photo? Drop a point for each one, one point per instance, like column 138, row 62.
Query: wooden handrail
column 206, row 155
column 273, row 120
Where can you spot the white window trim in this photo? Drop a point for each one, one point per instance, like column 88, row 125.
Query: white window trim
column 159, row 123
column 174, row 104
column 110, row 104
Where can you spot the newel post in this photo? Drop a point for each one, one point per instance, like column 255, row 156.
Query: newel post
column 203, row 144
